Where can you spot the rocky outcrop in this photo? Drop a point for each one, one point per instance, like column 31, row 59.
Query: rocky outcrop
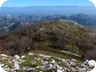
column 40, row 62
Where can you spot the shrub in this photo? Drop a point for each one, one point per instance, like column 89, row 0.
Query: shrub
column 90, row 54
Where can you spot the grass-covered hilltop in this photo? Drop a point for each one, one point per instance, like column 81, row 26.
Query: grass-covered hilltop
column 58, row 41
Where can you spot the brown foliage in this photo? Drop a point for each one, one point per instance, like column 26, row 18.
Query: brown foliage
column 90, row 54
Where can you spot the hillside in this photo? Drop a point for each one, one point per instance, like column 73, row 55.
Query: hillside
column 47, row 45
column 51, row 36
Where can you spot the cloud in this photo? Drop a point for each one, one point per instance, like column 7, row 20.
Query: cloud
column 94, row 2
column 2, row 1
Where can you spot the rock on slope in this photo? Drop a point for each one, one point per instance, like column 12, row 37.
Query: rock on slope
column 31, row 62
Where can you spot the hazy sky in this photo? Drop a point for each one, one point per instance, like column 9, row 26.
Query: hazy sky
column 21, row 3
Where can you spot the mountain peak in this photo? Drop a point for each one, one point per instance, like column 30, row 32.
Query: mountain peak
column 8, row 16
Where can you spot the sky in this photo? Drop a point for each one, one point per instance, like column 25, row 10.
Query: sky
column 22, row 3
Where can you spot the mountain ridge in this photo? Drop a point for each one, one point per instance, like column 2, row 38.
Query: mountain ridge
column 9, row 22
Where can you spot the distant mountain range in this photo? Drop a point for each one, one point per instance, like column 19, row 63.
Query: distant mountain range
column 9, row 23
column 48, row 10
